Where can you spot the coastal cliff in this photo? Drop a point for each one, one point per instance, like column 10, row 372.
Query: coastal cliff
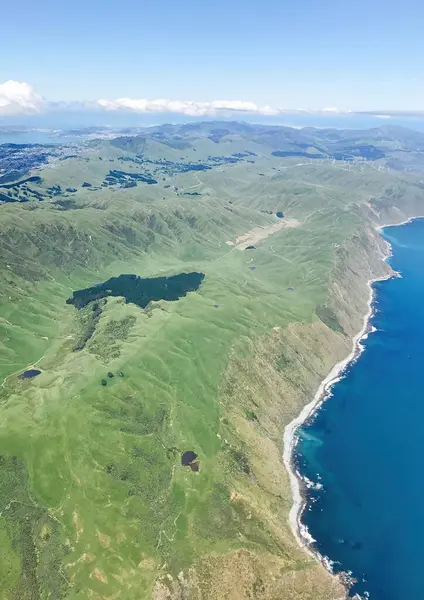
column 116, row 390
column 273, row 378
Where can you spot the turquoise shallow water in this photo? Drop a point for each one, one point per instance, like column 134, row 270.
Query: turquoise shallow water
column 367, row 442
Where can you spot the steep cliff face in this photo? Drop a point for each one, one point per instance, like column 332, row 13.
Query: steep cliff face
column 358, row 261
column 266, row 384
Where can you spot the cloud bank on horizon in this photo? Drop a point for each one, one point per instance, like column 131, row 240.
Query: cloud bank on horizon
column 187, row 107
column 19, row 97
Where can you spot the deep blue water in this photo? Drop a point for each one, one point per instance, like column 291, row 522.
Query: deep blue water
column 30, row 374
column 367, row 442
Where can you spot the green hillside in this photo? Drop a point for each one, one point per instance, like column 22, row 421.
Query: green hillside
column 94, row 500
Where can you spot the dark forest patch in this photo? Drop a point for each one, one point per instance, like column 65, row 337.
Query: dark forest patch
column 10, row 186
column 127, row 179
column 88, row 320
column 139, row 291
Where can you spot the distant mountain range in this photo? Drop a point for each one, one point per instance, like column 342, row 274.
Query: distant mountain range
column 393, row 146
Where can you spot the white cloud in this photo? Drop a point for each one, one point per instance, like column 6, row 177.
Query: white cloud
column 332, row 110
column 18, row 97
column 187, row 107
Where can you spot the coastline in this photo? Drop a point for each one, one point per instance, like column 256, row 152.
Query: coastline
column 299, row 530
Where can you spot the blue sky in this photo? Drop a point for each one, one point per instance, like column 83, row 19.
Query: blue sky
column 361, row 55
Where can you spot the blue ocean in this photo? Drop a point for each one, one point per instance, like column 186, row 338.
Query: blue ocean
column 366, row 444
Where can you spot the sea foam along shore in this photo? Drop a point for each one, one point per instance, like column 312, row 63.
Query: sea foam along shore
column 299, row 530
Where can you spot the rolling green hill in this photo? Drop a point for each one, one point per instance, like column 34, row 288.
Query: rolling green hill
column 94, row 500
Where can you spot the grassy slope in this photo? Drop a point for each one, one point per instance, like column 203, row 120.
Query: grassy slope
column 94, row 501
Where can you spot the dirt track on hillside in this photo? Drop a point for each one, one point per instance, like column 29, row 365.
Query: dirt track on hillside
column 257, row 234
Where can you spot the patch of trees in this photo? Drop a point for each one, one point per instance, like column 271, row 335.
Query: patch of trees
column 89, row 320
column 121, row 177
column 55, row 190
column 139, row 291
column 9, row 186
